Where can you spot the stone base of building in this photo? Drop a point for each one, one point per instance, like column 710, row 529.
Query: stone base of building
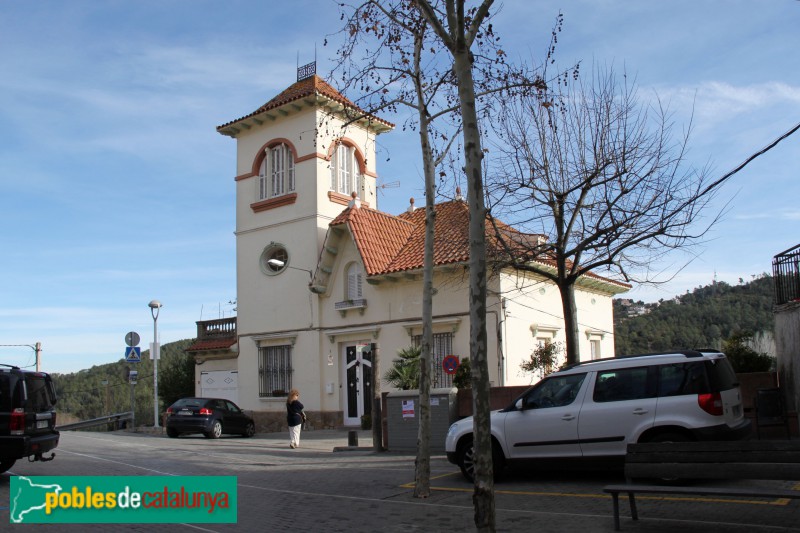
column 273, row 422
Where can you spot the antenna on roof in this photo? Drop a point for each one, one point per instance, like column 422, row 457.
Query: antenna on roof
column 390, row 185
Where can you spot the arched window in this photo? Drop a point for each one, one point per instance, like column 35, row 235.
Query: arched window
column 346, row 174
column 276, row 175
column 354, row 281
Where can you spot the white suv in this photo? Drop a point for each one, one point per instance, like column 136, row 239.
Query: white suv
column 594, row 409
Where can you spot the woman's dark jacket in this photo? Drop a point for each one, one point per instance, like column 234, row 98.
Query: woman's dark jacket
column 293, row 416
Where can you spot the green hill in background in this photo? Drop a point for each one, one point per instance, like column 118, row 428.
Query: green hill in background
column 700, row 319
column 104, row 389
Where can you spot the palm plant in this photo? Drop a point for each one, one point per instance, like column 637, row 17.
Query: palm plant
column 404, row 372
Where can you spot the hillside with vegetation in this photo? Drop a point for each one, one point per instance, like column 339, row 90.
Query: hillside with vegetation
column 703, row 318
column 104, row 389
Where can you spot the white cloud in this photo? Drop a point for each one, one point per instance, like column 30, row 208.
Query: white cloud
column 717, row 101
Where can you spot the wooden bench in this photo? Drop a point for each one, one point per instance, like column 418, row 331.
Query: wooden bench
column 743, row 460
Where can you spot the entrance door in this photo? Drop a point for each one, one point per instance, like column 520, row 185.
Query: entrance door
column 358, row 378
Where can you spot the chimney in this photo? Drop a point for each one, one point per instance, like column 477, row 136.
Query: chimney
column 411, row 206
column 458, row 195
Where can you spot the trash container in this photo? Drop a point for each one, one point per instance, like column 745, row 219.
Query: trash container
column 402, row 416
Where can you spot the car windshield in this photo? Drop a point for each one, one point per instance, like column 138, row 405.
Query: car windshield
column 40, row 394
column 554, row 391
column 188, row 403
column 6, row 384
column 721, row 374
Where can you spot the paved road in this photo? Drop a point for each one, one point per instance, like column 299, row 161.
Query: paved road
column 315, row 488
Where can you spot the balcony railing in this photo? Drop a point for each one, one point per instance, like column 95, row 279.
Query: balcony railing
column 221, row 328
column 346, row 305
column 351, row 304
column 786, row 273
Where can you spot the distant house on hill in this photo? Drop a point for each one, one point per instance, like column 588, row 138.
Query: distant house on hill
column 328, row 285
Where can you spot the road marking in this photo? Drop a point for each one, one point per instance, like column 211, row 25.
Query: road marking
column 159, row 472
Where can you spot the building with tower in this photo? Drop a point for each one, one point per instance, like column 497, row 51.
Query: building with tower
column 328, row 285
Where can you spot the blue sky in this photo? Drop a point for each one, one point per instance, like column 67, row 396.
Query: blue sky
column 116, row 189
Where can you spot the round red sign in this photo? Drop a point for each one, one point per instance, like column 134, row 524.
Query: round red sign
column 450, row 364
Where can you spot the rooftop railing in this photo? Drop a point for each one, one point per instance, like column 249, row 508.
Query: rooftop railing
column 786, row 273
column 221, row 328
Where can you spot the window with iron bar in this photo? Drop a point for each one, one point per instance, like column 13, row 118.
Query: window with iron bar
column 442, row 347
column 274, row 370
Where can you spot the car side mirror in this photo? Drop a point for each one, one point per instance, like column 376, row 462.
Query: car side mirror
column 520, row 405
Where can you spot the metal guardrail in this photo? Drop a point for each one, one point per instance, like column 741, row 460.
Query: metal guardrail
column 115, row 418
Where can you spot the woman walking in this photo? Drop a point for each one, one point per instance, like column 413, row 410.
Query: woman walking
column 294, row 417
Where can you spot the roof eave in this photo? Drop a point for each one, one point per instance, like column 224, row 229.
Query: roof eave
column 316, row 100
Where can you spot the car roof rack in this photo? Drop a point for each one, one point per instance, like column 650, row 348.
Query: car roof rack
column 685, row 353
column 12, row 367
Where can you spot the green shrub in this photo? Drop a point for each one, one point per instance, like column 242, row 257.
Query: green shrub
column 743, row 358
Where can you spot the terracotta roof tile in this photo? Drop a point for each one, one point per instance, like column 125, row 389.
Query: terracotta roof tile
column 451, row 237
column 211, row 344
column 390, row 244
column 313, row 85
column 379, row 236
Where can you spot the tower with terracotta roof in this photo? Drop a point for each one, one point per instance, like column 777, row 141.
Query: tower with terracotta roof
column 299, row 158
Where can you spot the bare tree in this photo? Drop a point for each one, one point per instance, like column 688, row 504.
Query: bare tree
column 458, row 27
column 605, row 176
column 389, row 77
column 406, row 68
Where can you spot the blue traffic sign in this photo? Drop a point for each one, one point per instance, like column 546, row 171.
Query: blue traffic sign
column 133, row 354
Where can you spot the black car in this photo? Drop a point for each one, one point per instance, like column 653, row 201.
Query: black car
column 27, row 416
column 210, row 416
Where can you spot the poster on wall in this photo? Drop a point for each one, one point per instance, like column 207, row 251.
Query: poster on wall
column 408, row 408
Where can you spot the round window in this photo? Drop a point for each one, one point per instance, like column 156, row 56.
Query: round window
column 274, row 259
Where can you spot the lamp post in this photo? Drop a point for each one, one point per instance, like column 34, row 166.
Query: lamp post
column 277, row 263
column 155, row 307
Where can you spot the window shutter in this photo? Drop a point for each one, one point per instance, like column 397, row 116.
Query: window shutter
column 354, row 279
column 262, row 179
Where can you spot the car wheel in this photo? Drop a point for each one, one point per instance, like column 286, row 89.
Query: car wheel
column 5, row 464
column 250, row 430
column 216, row 430
column 466, row 460
column 172, row 433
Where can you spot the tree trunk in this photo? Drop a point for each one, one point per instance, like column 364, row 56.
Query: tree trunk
column 483, row 496
column 570, row 322
column 422, row 484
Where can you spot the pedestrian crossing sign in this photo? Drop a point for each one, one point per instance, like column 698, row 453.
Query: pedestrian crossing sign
column 133, row 354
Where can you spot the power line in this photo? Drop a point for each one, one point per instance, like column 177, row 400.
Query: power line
column 751, row 158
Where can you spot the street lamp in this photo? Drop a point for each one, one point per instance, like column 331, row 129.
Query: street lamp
column 277, row 263
column 155, row 307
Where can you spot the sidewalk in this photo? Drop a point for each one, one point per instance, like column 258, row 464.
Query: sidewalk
column 337, row 440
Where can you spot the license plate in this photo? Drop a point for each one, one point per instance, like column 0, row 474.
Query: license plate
column 185, row 412
column 42, row 424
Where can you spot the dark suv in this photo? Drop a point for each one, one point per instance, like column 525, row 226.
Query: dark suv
column 27, row 416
